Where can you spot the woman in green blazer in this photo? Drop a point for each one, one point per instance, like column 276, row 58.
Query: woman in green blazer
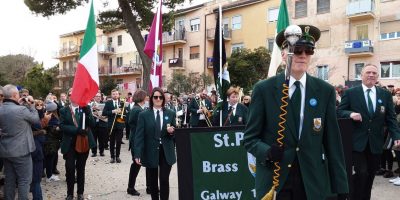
column 154, row 145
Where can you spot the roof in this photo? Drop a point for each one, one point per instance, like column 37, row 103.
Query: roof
column 238, row 4
column 189, row 9
column 72, row 33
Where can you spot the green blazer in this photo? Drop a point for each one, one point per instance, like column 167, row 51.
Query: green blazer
column 133, row 119
column 146, row 144
column 107, row 111
column 193, row 107
column 69, row 129
column 371, row 128
column 240, row 117
column 319, row 150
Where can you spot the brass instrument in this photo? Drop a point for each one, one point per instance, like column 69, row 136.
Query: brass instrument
column 118, row 119
column 207, row 114
column 184, row 109
column 97, row 110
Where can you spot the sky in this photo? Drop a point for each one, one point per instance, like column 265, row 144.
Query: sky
column 25, row 33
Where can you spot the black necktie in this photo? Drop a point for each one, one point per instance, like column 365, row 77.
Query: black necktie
column 370, row 106
column 295, row 100
column 77, row 117
column 158, row 124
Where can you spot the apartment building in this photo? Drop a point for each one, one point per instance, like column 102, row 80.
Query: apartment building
column 118, row 57
column 353, row 33
column 246, row 24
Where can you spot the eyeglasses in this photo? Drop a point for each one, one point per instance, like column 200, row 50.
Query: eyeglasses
column 158, row 97
column 299, row 50
column 246, row 99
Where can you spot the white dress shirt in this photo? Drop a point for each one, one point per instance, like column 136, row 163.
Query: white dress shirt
column 234, row 109
column 292, row 88
column 161, row 116
column 372, row 95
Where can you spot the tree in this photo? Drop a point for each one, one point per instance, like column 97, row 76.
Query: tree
column 39, row 82
column 134, row 15
column 106, row 85
column 247, row 67
column 13, row 68
column 181, row 83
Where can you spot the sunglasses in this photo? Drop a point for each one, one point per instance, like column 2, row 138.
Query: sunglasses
column 245, row 99
column 158, row 97
column 299, row 50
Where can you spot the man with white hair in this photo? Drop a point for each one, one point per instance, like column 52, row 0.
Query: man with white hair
column 16, row 143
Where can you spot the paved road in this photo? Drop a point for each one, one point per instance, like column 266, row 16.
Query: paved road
column 109, row 181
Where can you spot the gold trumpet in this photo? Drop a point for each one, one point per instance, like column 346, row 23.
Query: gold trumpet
column 205, row 112
column 119, row 119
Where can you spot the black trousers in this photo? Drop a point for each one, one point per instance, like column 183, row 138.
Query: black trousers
column 127, row 130
column 293, row 189
column 115, row 142
column 365, row 166
column 100, row 136
column 133, row 173
column 165, row 170
column 75, row 161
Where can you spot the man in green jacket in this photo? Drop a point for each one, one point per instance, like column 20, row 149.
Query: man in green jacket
column 311, row 158
column 370, row 108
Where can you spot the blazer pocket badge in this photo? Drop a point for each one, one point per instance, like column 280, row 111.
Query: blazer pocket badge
column 240, row 119
column 382, row 109
column 317, row 124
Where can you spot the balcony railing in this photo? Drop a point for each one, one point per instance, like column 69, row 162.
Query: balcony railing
column 362, row 9
column 64, row 52
column 227, row 32
column 105, row 49
column 177, row 63
column 176, row 37
column 120, row 70
column 67, row 72
column 356, row 48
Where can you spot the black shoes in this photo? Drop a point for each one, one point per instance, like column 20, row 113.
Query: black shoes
column 70, row 197
column 132, row 192
column 94, row 154
column 80, row 197
column 112, row 160
column 148, row 190
column 380, row 172
column 101, row 154
column 388, row 174
column 118, row 160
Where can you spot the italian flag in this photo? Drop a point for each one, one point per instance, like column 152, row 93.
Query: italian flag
column 86, row 81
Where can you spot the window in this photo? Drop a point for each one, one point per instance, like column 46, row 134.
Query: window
column 300, row 8
column 358, row 67
column 325, row 39
column 163, row 56
column 119, row 61
column 322, row 72
column 195, row 25
column 138, row 82
column 119, row 40
column 138, row 60
column 390, row 30
column 64, row 67
column 71, row 65
column 236, row 22
column 270, row 44
column 120, row 81
column 180, row 53
column 194, row 52
column 109, row 40
column 390, row 69
column 237, row 47
column 273, row 14
column 323, row 6
column 362, row 32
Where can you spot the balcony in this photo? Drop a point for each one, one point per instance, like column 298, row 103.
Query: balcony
column 130, row 69
column 174, row 38
column 360, row 10
column 177, row 63
column 67, row 52
column 227, row 32
column 66, row 73
column 359, row 48
column 105, row 49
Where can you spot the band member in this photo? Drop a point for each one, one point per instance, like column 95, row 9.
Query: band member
column 128, row 108
column 100, row 131
column 71, row 118
column 113, row 110
column 199, row 109
column 311, row 158
column 139, row 97
column 233, row 112
column 371, row 108
column 154, row 145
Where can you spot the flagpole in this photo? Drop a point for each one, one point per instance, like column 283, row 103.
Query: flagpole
column 220, row 58
column 156, row 43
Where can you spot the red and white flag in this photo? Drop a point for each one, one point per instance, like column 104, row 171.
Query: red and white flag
column 86, row 81
column 153, row 49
